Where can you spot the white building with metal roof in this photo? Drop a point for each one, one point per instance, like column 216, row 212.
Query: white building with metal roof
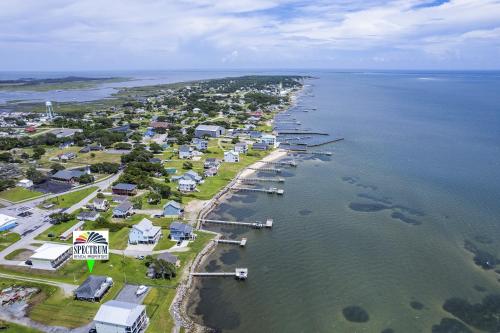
column 50, row 256
column 121, row 317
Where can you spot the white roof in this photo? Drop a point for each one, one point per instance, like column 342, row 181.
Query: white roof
column 186, row 181
column 208, row 127
column 147, row 228
column 24, row 181
column 49, row 251
column 119, row 313
column 6, row 219
column 231, row 152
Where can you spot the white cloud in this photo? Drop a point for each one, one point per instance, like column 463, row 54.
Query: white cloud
column 260, row 30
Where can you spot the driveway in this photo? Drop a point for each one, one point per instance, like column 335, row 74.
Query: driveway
column 127, row 294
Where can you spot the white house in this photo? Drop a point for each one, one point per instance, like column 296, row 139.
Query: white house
column 101, row 204
column 7, row 222
column 270, row 140
column 26, row 183
column 144, row 232
column 121, row 317
column 231, row 156
column 185, row 152
column 50, row 256
column 187, row 185
column 209, row 130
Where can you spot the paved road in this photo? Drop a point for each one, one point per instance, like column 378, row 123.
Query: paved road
column 66, row 287
column 36, row 220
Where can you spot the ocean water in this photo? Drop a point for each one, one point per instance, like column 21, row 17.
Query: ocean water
column 381, row 223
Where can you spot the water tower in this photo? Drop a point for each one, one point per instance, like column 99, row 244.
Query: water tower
column 50, row 111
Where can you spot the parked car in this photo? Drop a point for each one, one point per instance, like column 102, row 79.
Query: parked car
column 28, row 262
column 140, row 257
column 141, row 290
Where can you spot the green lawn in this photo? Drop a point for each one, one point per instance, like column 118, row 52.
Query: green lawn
column 64, row 311
column 157, row 304
column 18, row 194
column 122, row 269
column 69, row 199
column 14, row 253
column 7, row 239
column 119, row 240
column 15, row 328
column 164, row 243
column 56, row 230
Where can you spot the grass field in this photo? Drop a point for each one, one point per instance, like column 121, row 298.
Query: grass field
column 69, row 199
column 6, row 327
column 15, row 253
column 157, row 303
column 56, row 230
column 7, row 239
column 119, row 240
column 17, row 194
column 164, row 243
column 64, row 311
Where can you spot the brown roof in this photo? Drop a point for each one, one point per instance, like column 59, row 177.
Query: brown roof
column 160, row 124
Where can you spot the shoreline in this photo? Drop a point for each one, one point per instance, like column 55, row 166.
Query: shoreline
column 178, row 308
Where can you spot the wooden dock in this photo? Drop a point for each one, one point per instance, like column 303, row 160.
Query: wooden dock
column 263, row 179
column 241, row 242
column 282, row 163
column 255, row 225
column 270, row 190
column 239, row 273
column 266, row 169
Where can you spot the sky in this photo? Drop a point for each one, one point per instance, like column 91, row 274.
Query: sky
column 231, row 34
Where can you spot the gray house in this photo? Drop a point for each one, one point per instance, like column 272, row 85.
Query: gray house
column 123, row 210
column 209, row 130
column 93, row 288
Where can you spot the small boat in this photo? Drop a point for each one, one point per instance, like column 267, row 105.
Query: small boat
column 141, row 290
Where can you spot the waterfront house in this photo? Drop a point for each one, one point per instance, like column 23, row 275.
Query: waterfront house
column 270, row 140
column 180, row 231
column 123, row 210
column 188, row 175
column 231, row 156
column 172, row 209
column 241, row 147
column 185, row 152
column 187, row 185
column 260, row 146
column 88, row 215
column 101, row 205
column 121, row 317
column 213, row 131
column 124, row 189
column 144, row 232
column 93, row 288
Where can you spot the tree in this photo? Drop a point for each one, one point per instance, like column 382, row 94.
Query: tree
column 154, row 198
column 38, row 152
column 235, row 140
column 187, row 165
column 92, row 155
column 85, row 179
column 6, row 157
column 57, row 167
column 34, row 175
column 6, row 183
column 136, row 136
column 162, row 189
column 137, row 203
column 155, row 148
column 105, row 167
column 161, row 268
column 57, row 218
column 100, row 195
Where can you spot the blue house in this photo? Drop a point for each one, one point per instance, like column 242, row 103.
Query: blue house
column 172, row 208
column 180, row 231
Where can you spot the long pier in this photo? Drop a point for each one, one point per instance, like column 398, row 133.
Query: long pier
column 265, row 169
column 326, row 142
column 301, row 133
column 241, row 242
column 255, row 225
column 282, row 163
column 270, row 190
column 265, row 179
column 239, row 273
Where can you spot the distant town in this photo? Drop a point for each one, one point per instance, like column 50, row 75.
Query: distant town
column 143, row 165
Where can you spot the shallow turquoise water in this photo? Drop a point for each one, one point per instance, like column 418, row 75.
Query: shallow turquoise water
column 419, row 148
